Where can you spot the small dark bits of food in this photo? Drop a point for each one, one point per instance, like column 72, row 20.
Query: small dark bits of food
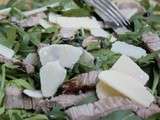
column 147, row 14
column 81, row 83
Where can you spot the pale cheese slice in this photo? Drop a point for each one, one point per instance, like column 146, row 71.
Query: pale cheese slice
column 103, row 90
column 52, row 75
column 76, row 23
column 128, row 86
column 67, row 55
column 33, row 93
column 128, row 50
column 127, row 66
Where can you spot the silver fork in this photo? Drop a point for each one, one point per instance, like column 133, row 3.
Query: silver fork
column 107, row 9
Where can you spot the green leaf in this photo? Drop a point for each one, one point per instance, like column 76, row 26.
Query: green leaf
column 93, row 46
column 89, row 99
column 147, row 60
column 14, row 114
column 131, row 38
column 11, row 34
column 77, row 12
column 35, row 38
column 35, row 35
column 24, row 5
column 2, row 110
column 138, row 26
column 52, row 29
column 121, row 115
column 2, row 85
column 68, row 4
column 154, row 117
column 57, row 114
column 8, row 36
column 37, row 117
column 145, row 3
column 153, row 19
column 11, row 66
column 155, row 81
column 3, row 40
column 16, row 117
column 16, row 13
column 20, row 83
column 105, row 58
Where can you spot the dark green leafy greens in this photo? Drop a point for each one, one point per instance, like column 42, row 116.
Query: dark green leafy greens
column 154, row 117
column 27, row 40
column 57, row 114
column 121, row 115
column 105, row 58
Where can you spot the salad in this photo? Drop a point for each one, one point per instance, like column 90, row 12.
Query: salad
column 59, row 60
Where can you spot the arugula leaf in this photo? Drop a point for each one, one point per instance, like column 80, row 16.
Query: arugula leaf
column 147, row 60
column 157, row 8
column 121, row 115
column 153, row 19
column 57, row 114
column 145, row 3
column 35, row 35
column 69, row 8
column 20, row 83
column 77, row 12
column 22, row 115
column 133, row 38
column 16, row 13
column 2, row 110
column 26, row 40
column 105, row 58
column 37, row 117
column 8, row 35
column 155, row 82
column 12, row 115
column 68, row 4
column 2, row 85
column 89, row 99
column 26, row 5
column 154, row 117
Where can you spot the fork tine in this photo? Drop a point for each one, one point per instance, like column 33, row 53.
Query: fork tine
column 110, row 6
column 114, row 7
column 108, row 12
column 114, row 11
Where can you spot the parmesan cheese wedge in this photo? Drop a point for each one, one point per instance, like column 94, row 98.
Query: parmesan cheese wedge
column 33, row 93
column 128, row 49
column 67, row 55
column 74, row 22
column 128, row 86
column 6, row 52
column 127, row 66
column 89, row 23
column 52, row 76
column 103, row 90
